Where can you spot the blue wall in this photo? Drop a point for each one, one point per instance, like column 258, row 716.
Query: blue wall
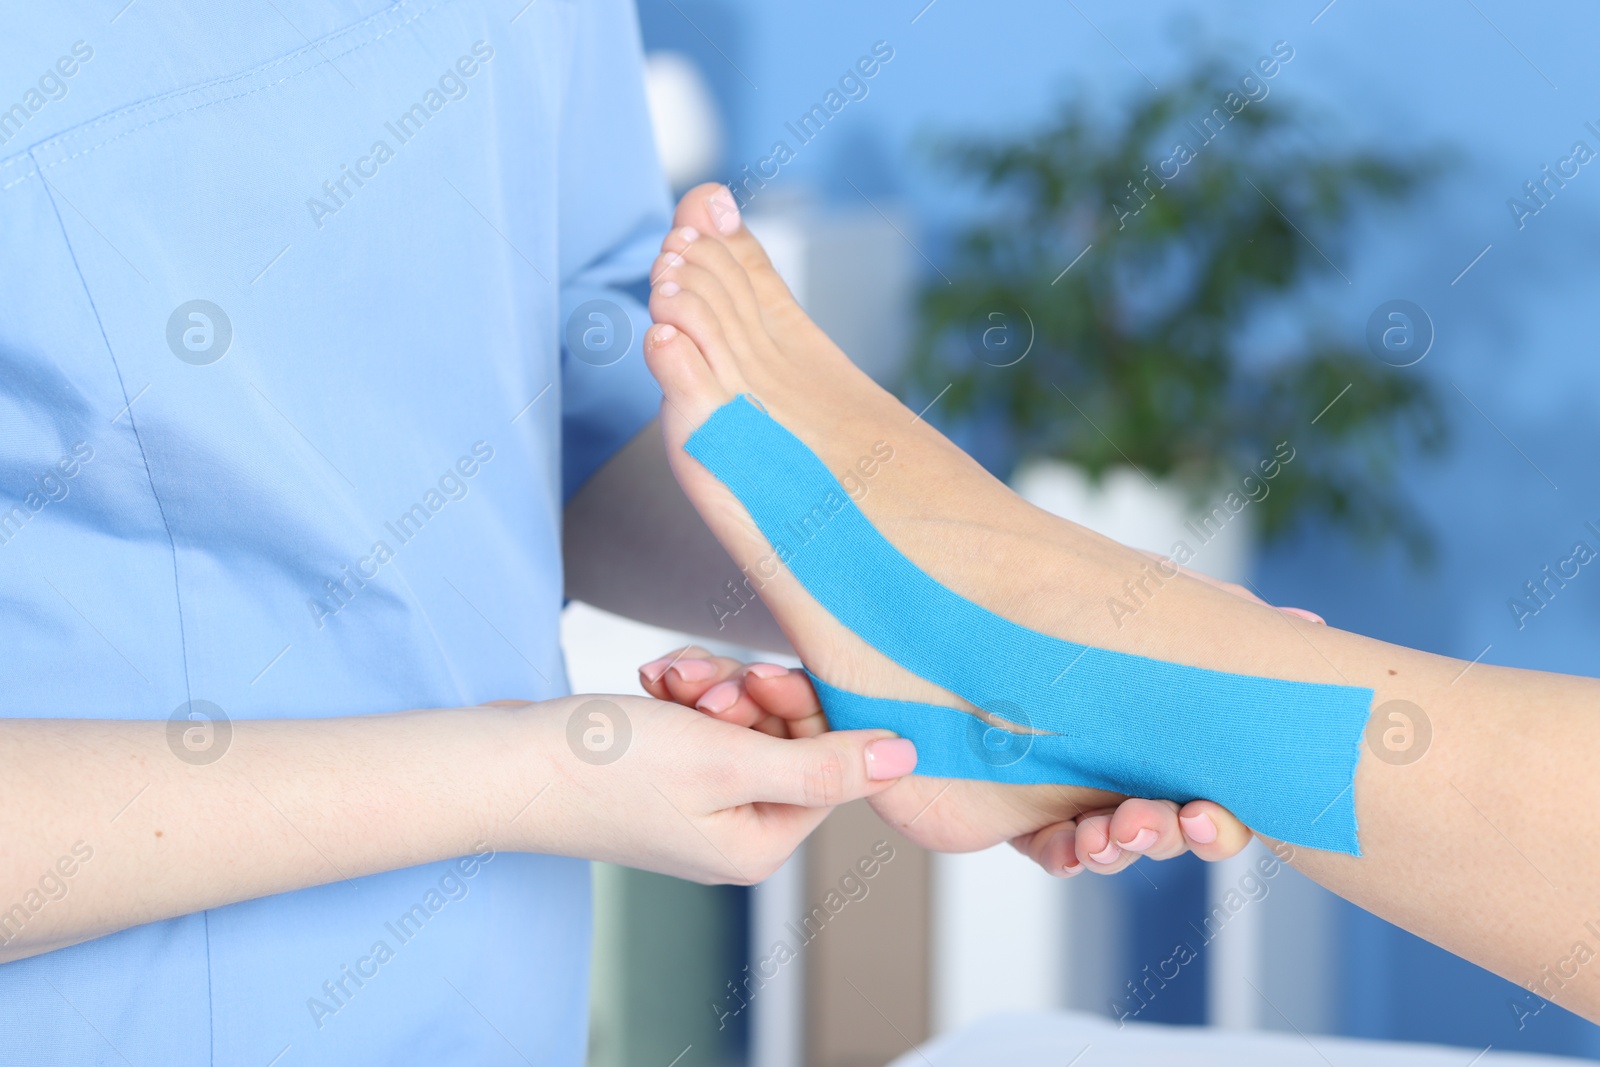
column 1516, row 334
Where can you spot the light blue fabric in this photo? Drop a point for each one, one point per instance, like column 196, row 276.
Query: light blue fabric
column 384, row 344
column 1281, row 755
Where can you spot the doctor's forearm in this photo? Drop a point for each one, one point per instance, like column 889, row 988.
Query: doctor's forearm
column 635, row 546
column 104, row 827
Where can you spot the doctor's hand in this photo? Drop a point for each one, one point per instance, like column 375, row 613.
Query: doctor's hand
column 1065, row 829
column 662, row 787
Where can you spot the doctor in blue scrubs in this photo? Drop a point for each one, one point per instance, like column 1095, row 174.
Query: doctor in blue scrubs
column 313, row 317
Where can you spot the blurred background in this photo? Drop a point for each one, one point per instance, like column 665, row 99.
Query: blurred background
column 1376, row 248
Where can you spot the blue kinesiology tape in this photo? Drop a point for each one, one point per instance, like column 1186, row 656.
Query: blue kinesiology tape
column 1280, row 755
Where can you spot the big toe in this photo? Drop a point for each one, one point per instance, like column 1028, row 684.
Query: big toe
column 711, row 208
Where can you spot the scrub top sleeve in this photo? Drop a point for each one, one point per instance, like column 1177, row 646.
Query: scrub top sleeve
column 614, row 212
column 603, row 404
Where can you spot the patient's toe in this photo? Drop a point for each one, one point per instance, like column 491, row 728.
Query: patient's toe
column 712, row 210
column 690, row 389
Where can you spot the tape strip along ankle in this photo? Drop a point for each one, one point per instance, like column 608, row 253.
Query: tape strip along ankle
column 1280, row 755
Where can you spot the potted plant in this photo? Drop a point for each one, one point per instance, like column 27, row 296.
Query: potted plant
column 1144, row 309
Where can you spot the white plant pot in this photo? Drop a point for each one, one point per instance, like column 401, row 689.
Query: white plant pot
column 1157, row 517
column 1071, row 944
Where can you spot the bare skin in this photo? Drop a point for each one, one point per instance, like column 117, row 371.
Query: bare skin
column 776, row 700
column 652, row 522
column 302, row 802
column 1511, row 751
column 633, row 545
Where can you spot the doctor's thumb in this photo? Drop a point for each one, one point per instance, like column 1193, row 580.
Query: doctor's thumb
column 833, row 768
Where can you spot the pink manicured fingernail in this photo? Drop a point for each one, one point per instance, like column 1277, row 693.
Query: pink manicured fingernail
column 719, row 698
column 1107, row 855
column 892, row 757
column 689, row 234
column 1141, row 840
column 724, row 211
column 664, row 332
column 766, row 670
column 1198, row 828
column 655, row 668
column 1302, row 613
column 670, row 289
column 1064, row 838
column 695, row 670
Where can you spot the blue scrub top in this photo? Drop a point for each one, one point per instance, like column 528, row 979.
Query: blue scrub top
column 287, row 420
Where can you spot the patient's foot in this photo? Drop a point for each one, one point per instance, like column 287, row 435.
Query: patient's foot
column 728, row 325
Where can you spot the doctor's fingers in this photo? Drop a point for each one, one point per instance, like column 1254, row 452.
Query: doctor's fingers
column 695, row 678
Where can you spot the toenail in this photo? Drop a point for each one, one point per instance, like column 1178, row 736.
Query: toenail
column 719, row 698
column 664, row 332
column 670, row 289
column 766, row 670
column 1107, row 855
column 688, row 234
column 724, row 211
column 1141, row 840
column 695, row 670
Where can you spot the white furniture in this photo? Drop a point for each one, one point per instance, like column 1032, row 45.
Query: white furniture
column 1073, row 1040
